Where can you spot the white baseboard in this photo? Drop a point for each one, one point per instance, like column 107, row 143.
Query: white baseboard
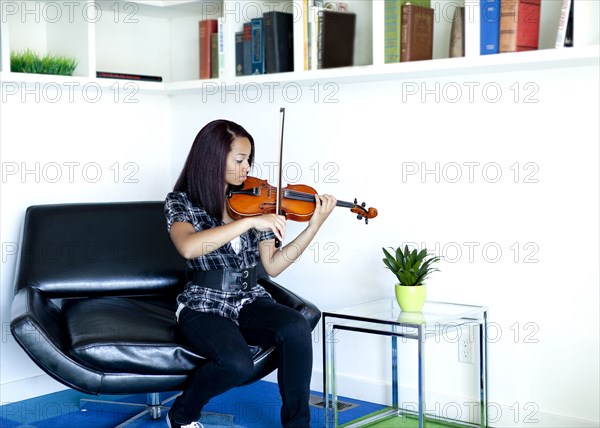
column 31, row 387
column 444, row 406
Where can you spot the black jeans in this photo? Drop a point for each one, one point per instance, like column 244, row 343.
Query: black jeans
column 229, row 362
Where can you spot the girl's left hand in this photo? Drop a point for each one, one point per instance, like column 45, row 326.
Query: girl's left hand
column 324, row 205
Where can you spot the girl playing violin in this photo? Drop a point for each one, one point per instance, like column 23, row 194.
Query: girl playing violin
column 222, row 309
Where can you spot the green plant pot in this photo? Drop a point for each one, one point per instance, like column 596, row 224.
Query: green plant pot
column 411, row 317
column 411, row 299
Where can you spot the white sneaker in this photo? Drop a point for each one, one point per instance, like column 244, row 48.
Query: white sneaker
column 173, row 424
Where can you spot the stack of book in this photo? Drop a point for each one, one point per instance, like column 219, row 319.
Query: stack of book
column 210, row 56
column 519, row 25
column 408, row 30
column 266, row 45
column 514, row 25
column 329, row 32
column 505, row 26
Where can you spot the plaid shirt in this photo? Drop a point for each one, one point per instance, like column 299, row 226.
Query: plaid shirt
column 178, row 207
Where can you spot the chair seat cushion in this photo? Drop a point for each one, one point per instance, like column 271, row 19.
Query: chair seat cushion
column 122, row 335
column 128, row 335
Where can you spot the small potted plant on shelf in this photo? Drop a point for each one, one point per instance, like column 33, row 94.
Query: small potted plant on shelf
column 30, row 62
column 411, row 268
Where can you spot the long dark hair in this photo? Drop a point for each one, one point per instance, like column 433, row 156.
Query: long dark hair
column 203, row 175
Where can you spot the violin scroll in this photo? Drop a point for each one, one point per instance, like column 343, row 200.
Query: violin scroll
column 362, row 212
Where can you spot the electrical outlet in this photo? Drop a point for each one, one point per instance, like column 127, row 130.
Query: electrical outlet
column 465, row 349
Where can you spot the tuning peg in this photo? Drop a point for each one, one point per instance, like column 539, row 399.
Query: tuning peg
column 360, row 217
column 363, row 205
column 355, row 201
column 367, row 220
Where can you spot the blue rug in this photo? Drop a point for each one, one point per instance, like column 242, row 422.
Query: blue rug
column 252, row 406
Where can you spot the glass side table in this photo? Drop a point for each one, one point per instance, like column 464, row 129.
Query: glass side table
column 384, row 317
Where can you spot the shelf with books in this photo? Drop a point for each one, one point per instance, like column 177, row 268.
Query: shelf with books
column 267, row 30
column 150, row 38
column 351, row 30
column 549, row 17
column 28, row 86
column 510, row 62
column 588, row 56
column 395, row 17
column 161, row 39
column 46, row 27
column 166, row 40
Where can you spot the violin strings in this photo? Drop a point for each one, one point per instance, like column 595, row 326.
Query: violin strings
column 309, row 197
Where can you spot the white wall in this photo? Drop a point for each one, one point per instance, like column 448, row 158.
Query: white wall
column 61, row 144
column 366, row 141
column 513, row 208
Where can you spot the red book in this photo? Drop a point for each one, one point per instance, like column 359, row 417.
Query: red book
column 519, row 25
column 207, row 27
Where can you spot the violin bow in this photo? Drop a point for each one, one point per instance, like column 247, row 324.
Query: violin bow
column 280, row 174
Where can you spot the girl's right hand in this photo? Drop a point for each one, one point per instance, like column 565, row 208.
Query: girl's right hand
column 272, row 222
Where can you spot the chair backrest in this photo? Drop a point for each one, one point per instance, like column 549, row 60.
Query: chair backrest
column 91, row 249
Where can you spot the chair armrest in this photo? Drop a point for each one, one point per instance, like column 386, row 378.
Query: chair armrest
column 35, row 319
column 36, row 326
column 286, row 297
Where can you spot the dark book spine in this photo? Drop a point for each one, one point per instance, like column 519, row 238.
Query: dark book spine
column 336, row 39
column 569, row 43
column 127, row 76
column 279, row 42
column 239, row 53
column 320, row 40
column 258, row 46
column 247, row 41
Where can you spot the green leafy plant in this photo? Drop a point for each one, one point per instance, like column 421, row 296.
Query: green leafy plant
column 30, row 62
column 410, row 267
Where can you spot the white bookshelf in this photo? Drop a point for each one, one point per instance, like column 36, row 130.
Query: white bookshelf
column 160, row 37
column 45, row 26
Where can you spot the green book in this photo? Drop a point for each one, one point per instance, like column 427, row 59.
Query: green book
column 214, row 55
column 391, row 30
column 393, row 24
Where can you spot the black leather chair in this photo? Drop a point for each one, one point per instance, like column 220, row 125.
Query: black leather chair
column 95, row 299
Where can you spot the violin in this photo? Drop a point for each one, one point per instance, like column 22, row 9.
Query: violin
column 257, row 197
column 296, row 202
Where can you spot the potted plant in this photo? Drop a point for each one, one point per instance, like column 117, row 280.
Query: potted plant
column 411, row 268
